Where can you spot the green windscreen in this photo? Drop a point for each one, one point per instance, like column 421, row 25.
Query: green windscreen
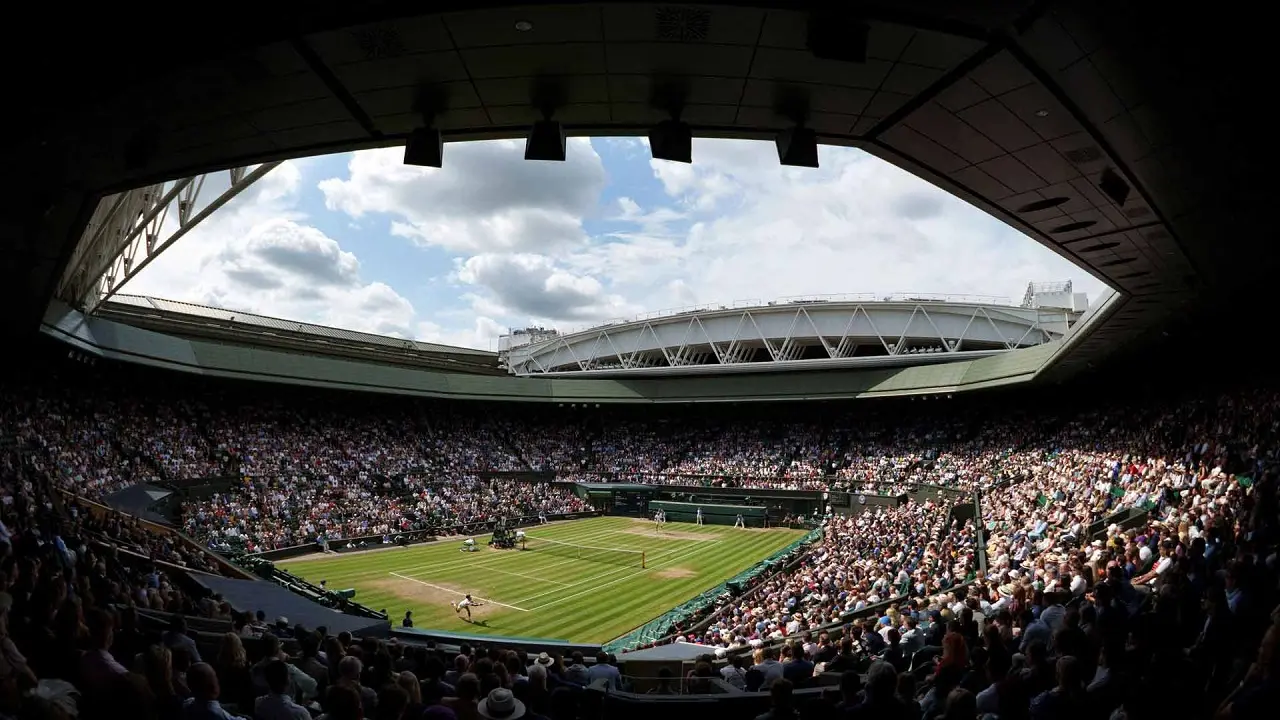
column 712, row 514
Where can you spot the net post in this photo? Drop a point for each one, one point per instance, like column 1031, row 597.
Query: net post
column 642, row 563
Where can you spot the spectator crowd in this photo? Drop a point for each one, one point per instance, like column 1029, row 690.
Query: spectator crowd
column 1037, row 608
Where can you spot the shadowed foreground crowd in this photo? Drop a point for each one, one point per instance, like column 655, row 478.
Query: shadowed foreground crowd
column 1172, row 617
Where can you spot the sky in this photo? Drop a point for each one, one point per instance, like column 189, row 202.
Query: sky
column 459, row 255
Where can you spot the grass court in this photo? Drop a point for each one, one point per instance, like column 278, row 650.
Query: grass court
column 548, row 591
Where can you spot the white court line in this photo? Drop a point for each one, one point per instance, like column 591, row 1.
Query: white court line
column 605, row 574
column 488, row 564
column 592, row 578
column 447, row 564
column 455, row 592
column 611, row 582
column 482, row 564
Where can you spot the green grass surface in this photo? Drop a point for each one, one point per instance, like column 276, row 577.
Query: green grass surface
column 537, row 594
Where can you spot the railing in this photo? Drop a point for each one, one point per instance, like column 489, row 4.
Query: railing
column 980, row 533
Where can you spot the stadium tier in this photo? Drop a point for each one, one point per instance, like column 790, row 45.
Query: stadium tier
column 986, row 528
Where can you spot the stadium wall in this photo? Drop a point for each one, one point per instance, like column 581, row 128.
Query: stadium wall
column 117, row 341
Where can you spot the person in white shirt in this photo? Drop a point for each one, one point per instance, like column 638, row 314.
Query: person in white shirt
column 278, row 705
column 1158, row 572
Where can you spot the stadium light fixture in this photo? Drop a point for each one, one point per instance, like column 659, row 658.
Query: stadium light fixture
column 545, row 141
column 672, row 140
column 425, row 148
column 798, row 147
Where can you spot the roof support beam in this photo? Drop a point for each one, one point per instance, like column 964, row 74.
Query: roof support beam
column 130, row 229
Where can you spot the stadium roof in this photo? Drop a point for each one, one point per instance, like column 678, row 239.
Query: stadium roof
column 1113, row 133
column 201, row 321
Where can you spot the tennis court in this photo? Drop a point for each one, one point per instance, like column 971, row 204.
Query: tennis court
column 581, row 581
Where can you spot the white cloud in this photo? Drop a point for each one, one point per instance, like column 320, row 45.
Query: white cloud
column 534, row 287
column 856, row 225
column 257, row 254
column 482, row 333
column 732, row 226
column 486, row 198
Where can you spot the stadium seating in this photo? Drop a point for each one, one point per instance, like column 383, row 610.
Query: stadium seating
column 1120, row 556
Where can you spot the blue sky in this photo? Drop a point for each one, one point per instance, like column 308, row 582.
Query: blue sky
column 490, row 241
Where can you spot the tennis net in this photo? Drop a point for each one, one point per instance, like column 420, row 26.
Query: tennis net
column 611, row 556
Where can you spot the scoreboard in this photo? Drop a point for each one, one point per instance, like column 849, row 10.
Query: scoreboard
column 839, row 499
column 630, row 502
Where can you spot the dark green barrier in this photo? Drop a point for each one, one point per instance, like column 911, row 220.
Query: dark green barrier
column 712, row 513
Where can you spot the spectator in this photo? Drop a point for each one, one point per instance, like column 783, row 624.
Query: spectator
column 277, row 704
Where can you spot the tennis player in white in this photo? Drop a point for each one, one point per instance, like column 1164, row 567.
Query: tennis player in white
column 739, row 522
column 699, row 516
column 465, row 603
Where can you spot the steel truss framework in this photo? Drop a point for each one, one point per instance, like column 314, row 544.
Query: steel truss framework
column 806, row 336
column 130, row 229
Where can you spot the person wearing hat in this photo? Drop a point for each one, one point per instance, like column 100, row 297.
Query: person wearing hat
column 500, row 704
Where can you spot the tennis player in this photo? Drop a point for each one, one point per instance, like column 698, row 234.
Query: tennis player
column 699, row 516
column 465, row 603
